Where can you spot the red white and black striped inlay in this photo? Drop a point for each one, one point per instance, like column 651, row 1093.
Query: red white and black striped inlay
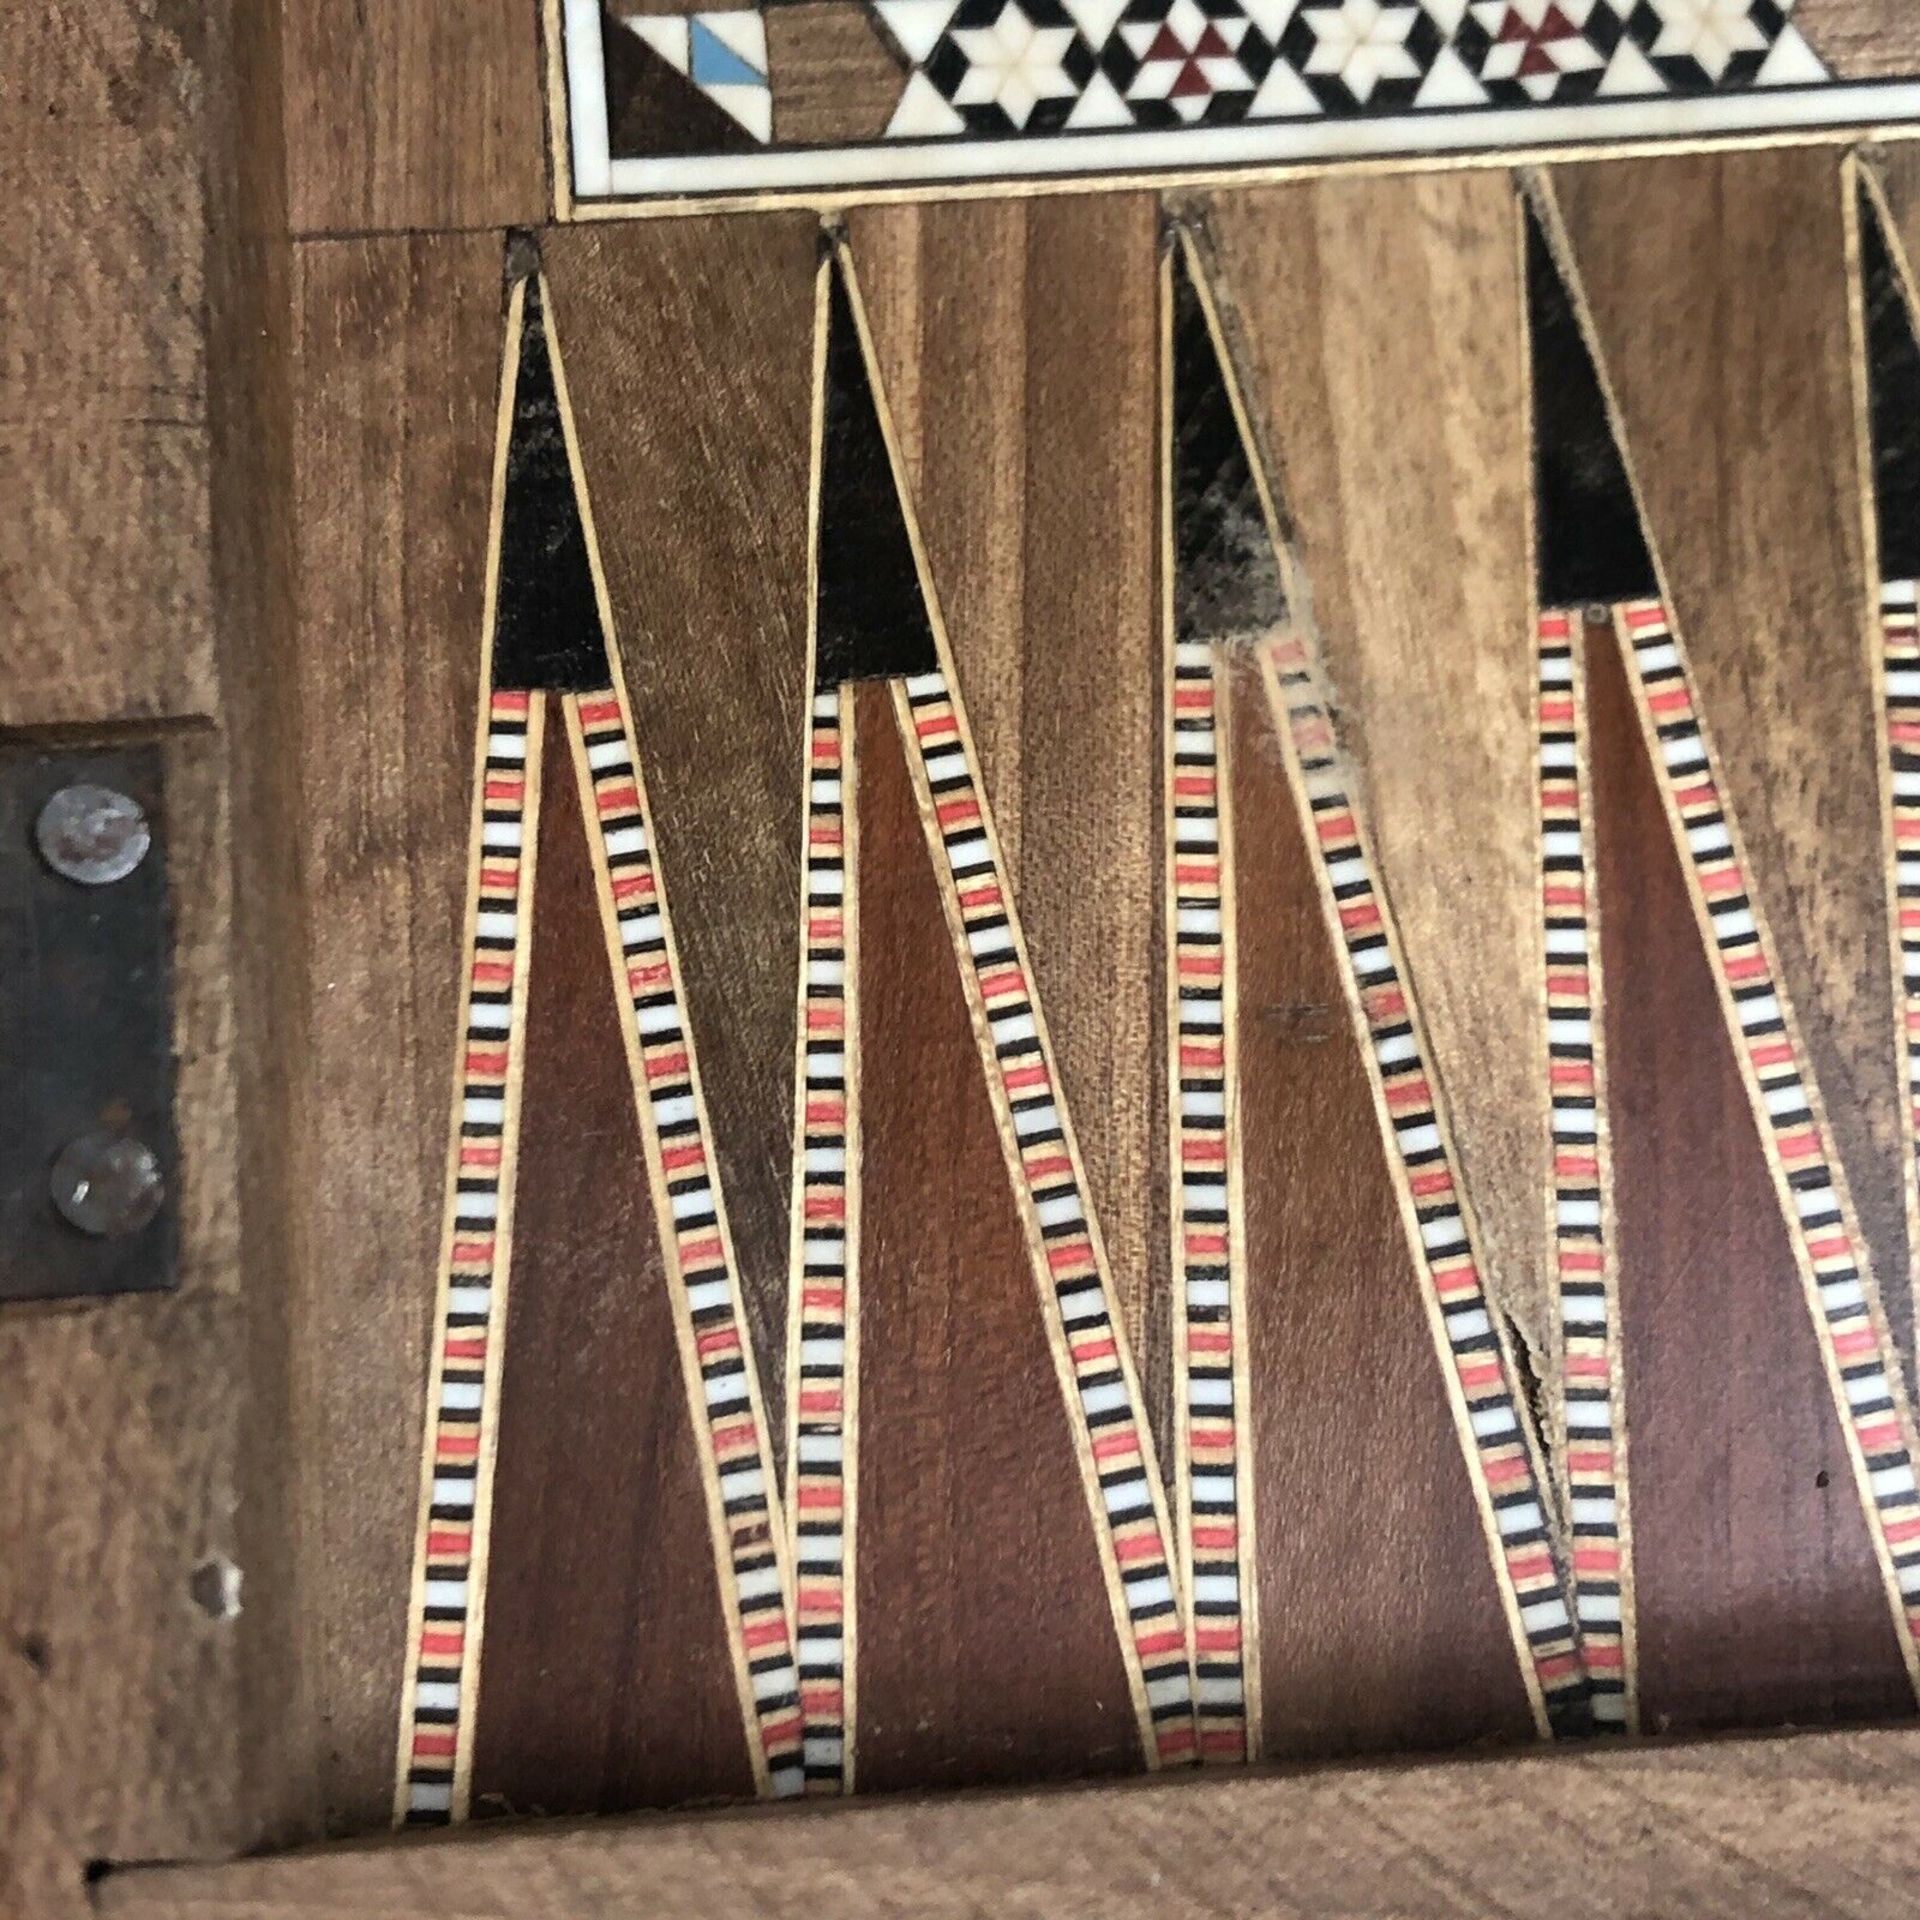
column 450, row 1572
column 725, row 1398
column 1507, row 1472
column 1900, row 633
column 1204, row 1240
column 819, row 1381
column 1125, row 1499
column 1589, row 1318
column 1868, row 1397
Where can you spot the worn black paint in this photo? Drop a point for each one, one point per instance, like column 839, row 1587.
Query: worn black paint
column 873, row 621
column 546, row 630
column 1226, row 579
column 1893, row 390
column 1592, row 548
column 86, row 1030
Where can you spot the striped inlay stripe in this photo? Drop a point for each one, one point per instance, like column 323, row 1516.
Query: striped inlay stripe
column 1508, row 1478
column 1592, row 1407
column 823, row 1328
column 463, row 1380
column 1819, row 1216
column 1900, row 632
column 1211, row 1324
column 1124, row 1492
column 722, row 1387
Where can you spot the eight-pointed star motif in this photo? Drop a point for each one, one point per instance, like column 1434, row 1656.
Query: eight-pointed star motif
column 1013, row 64
column 1708, row 32
column 1363, row 42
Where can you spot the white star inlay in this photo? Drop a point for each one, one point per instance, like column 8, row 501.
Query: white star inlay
column 1363, row 42
column 1013, row 64
column 1708, row 32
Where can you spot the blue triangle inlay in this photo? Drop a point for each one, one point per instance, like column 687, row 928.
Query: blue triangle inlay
column 715, row 64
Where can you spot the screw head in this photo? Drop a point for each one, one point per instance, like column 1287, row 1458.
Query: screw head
column 92, row 835
column 107, row 1185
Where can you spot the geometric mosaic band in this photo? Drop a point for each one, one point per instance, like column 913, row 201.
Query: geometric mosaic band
column 1900, row 635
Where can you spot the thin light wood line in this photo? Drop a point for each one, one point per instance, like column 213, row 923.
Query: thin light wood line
column 443, row 1283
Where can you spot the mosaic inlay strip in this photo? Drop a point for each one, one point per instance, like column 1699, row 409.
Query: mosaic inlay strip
column 1868, row 1398
column 1900, row 631
column 1594, row 1412
column 729, row 1422
column 1205, row 1251
column 1507, row 1474
column 822, row 1377
column 470, row 1314
column 1076, row 1291
column 694, row 102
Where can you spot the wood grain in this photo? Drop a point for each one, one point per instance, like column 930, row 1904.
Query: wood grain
column 1759, row 1596
column 105, row 587
column 835, row 79
column 1739, row 426
column 987, row 1650
column 1797, row 1829
column 1018, row 345
column 689, row 355
column 1861, row 39
column 396, row 367
column 1380, row 1621
column 1378, row 328
column 1896, row 168
column 403, row 117
column 606, row 1680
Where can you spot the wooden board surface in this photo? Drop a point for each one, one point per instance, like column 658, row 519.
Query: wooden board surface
column 1738, row 421
column 1016, row 342
column 1807, row 1827
column 393, row 456
column 1379, row 324
column 402, row 118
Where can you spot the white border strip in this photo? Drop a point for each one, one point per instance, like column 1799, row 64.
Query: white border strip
column 801, row 170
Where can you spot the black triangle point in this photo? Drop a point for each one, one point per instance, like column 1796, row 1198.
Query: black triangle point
column 546, row 628
column 1226, row 574
column 872, row 615
column 1592, row 547
column 1893, row 394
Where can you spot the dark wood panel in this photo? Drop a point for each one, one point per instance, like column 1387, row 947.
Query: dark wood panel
column 1381, row 1624
column 1740, row 432
column 689, row 355
column 402, row 116
column 606, row 1680
column 1017, row 341
column 986, row 1648
column 396, row 368
column 1759, row 1597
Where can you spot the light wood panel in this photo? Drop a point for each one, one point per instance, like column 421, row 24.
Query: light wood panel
column 396, row 360
column 1018, row 347
column 1738, row 415
column 1378, row 323
column 689, row 356
column 1815, row 1826
column 413, row 117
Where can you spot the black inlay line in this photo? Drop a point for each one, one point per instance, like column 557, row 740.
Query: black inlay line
column 546, row 628
column 1592, row 547
column 1226, row 574
column 872, row 621
column 1893, row 398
